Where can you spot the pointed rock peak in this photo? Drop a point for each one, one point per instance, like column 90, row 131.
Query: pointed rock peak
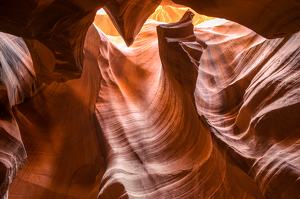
column 129, row 17
column 180, row 53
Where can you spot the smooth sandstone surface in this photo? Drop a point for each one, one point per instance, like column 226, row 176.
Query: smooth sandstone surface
column 178, row 109
column 17, row 80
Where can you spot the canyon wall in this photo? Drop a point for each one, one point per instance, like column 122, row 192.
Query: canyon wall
column 177, row 109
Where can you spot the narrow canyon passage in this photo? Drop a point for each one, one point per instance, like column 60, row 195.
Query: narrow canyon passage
column 149, row 101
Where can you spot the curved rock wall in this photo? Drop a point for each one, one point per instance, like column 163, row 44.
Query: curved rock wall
column 158, row 146
column 17, row 80
column 250, row 97
column 210, row 111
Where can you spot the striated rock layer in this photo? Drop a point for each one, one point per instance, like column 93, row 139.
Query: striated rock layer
column 250, row 96
column 59, row 134
column 158, row 146
column 210, row 111
column 17, row 80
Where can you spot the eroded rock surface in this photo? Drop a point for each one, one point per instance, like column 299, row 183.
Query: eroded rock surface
column 250, row 97
column 17, row 80
column 210, row 111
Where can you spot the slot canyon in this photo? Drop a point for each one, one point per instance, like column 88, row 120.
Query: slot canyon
column 146, row 99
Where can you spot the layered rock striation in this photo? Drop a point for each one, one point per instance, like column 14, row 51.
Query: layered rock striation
column 176, row 110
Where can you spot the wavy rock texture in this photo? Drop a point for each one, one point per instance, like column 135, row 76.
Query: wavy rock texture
column 59, row 134
column 158, row 146
column 17, row 80
column 54, row 31
column 270, row 19
column 210, row 111
column 167, row 14
column 250, row 96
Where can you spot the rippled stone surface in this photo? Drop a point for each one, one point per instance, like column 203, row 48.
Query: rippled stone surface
column 250, row 97
column 17, row 80
column 204, row 111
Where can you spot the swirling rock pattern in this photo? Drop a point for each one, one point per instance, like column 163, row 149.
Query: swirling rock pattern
column 59, row 134
column 54, row 31
column 210, row 111
column 157, row 144
column 250, row 97
column 17, row 80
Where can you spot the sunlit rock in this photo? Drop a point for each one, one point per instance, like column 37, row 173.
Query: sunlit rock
column 152, row 104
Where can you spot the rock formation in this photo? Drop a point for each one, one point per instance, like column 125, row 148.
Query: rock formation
column 178, row 109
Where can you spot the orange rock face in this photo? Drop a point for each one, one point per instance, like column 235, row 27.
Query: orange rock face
column 155, row 103
column 171, row 14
